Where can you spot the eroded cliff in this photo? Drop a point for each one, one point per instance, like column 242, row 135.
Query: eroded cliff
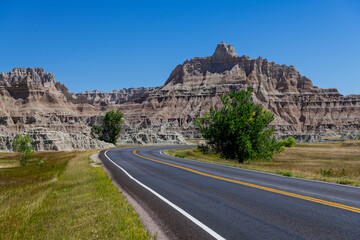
column 302, row 110
column 32, row 101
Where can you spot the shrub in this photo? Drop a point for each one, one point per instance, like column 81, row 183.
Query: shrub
column 203, row 148
column 288, row 142
column 285, row 173
column 23, row 145
column 326, row 173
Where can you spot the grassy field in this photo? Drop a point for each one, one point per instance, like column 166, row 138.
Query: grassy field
column 333, row 162
column 59, row 195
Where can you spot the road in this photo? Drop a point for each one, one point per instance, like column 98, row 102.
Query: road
column 196, row 200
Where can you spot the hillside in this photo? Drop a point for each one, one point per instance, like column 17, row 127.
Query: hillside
column 31, row 100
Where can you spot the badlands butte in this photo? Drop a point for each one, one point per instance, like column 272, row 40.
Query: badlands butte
column 32, row 101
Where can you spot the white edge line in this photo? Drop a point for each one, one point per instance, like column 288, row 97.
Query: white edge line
column 268, row 173
column 194, row 220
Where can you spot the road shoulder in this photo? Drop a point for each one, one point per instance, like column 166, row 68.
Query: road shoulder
column 153, row 227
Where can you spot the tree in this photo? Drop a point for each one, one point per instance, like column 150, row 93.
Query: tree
column 23, row 145
column 288, row 142
column 240, row 129
column 109, row 128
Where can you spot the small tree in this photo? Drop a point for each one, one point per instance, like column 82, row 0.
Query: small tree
column 240, row 129
column 109, row 128
column 288, row 142
column 23, row 145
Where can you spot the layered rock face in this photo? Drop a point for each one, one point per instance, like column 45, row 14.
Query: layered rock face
column 47, row 140
column 32, row 101
column 29, row 97
column 115, row 97
column 302, row 110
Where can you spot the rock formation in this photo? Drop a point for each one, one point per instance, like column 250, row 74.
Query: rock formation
column 302, row 110
column 31, row 100
column 47, row 140
column 115, row 97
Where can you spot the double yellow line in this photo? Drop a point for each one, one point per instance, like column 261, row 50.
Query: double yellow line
column 353, row 209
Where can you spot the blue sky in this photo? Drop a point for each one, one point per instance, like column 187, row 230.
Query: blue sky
column 108, row 45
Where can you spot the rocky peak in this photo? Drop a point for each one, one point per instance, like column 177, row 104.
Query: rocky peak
column 223, row 52
column 226, row 67
column 36, row 76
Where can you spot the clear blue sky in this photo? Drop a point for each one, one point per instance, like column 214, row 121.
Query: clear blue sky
column 108, row 45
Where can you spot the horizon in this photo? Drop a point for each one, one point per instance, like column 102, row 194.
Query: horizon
column 111, row 45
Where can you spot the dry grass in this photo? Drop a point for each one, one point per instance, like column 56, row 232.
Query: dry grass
column 196, row 141
column 332, row 138
column 333, row 162
column 58, row 195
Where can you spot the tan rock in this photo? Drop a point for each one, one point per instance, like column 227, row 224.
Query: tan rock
column 31, row 98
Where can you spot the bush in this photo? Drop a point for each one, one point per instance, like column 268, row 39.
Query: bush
column 109, row 128
column 358, row 138
column 23, row 145
column 288, row 142
column 240, row 129
column 326, row 173
column 285, row 173
column 203, row 148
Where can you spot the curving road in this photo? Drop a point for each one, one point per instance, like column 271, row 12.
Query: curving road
column 196, row 200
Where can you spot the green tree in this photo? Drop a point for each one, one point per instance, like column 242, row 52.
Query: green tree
column 288, row 142
column 109, row 128
column 240, row 129
column 23, row 145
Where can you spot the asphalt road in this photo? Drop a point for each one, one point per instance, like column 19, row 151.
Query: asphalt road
column 195, row 200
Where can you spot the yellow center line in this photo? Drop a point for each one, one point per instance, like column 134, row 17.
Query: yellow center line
column 311, row 199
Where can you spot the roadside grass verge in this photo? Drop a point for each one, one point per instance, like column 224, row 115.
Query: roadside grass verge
column 58, row 195
column 332, row 162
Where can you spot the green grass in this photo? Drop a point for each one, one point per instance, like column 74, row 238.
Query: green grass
column 58, row 195
column 333, row 162
column 285, row 173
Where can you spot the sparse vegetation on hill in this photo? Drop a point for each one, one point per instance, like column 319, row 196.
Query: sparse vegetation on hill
column 333, row 162
column 58, row 195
